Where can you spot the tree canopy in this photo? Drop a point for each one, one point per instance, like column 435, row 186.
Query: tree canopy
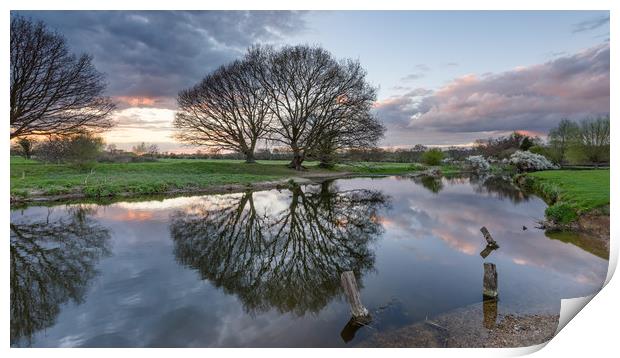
column 228, row 109
column 297, row 96
column 53, row 92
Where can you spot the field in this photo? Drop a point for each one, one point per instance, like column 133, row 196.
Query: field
column 572, row 192
column 32, row 178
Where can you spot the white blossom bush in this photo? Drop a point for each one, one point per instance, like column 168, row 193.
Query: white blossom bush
column 478, row 163
column 529, row 162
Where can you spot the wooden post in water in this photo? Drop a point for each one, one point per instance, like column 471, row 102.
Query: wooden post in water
column 487, row 251
column 488, row 237
column 348, row 332
column 347, row 279
column 489, row 284
column 489, row 311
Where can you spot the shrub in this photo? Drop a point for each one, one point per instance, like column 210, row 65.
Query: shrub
column 25, row 146
column 432, row 156
column 546, row 152
column 538, row 149
column 478, row 163
column 561, row 213
column 504, row 147
column 78, row 149
column 529, row 162
column 124, row 157
column 550, row 191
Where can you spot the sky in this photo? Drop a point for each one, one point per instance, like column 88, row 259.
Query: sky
column 444, row 77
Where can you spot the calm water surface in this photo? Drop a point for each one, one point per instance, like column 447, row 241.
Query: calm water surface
column 262, row 269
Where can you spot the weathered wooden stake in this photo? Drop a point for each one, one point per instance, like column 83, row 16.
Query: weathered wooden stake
column 487, row 251
column 488, row 237
column 489, row 284
column 347, row 279
column 489, row 311
column 348, row 332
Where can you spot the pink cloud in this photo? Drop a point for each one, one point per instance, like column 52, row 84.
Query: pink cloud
column 531, row 98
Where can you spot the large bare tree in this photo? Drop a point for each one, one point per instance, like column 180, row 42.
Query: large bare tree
column 227, row 110
column 353, row 132
column 310, row 94
column 52, row 90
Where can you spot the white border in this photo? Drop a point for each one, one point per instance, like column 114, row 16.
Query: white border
column 592, row 332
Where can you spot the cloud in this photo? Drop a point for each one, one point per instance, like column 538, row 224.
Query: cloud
column 421, row 72
column 422, row 67
column 412, row 76
column 531, row 98
column 154, row 54
column 396, row 111
column 400, row 88
column 155, row 119
column 558, row 53
column 591, row 24
column 418, row 92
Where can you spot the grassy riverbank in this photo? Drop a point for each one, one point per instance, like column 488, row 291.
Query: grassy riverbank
column 30, row 178
column 571, row 193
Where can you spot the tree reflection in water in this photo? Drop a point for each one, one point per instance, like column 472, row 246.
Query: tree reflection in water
column 289, row 259
column 501, row 186
column 434, row 184
column 51, row 263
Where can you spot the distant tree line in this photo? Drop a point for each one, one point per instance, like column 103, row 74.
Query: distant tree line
column 586, row 142
column 299, row 97
column 81, row 149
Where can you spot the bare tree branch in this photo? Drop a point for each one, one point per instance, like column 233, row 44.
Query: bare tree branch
column 52, row 90
column 227, row 110
column 312, row 96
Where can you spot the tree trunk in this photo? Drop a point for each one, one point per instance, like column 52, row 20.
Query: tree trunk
column 249, row 157
column 326, row 160
column 249, row 153
column 327, row 155
column 298, row 158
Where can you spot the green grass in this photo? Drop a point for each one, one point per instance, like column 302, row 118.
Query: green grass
column 29, row 177
column 388, row 168
column 571, row 193
column 381, row 168
column 106, row 179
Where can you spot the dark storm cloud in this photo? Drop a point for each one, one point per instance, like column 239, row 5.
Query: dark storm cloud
column 531, row 98
column 591, row 24
column 153, row 54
